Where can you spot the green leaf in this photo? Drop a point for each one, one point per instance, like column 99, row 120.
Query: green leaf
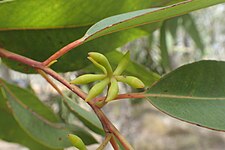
column 12, row 132
column 188, row 23
column 191, row 28
column 48, row 133
column 59, row 14
column 40, row 44
column 34, row 38
column 29, row 99
column 172, row 25
column 193, row 93
column 146, row 16
column 37, row 29
column 3, row 105
column 89, row 119
column 10, row 129
column 165, row 59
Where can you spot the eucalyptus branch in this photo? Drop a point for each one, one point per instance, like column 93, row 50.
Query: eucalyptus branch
column 38, row 65
column 114, row 144
column 21, row 59
column 110, row 128
column 107, row 125
column 73, row 88
column 122, row 96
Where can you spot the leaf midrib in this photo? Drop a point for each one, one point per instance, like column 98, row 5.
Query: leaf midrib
column 47, row 28
column 183, row 97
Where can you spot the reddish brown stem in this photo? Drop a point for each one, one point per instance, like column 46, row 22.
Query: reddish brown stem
column 19, row 58
column 73, row 88
column 39, row 65
column 110, row 128
column 123, row 96
column 64, row 50
column 114, row 144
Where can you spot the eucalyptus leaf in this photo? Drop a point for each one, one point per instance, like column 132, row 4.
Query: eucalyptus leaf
column 146, row 16
column 46, row 40
column 12, row 132
column 59, row 14
column 10, row 129
column 50, row 134
column 193, row 93
column 29, row 99
column 88, row 118
column 40, row 44
column 37, row 29
column 165, row 59
column 191, row 28
column 172, row 26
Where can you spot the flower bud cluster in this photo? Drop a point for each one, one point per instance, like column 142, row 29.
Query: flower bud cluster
column 108, row 78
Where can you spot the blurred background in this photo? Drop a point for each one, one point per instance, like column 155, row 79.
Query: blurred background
column 196, row 36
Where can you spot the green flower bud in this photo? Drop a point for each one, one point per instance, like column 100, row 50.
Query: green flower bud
column 102, row 60
column 87, row 78
column 132, row 81
column 77, row 142
column 123, row 64
column 98, row 65
column 113, row 90
column 97, row 89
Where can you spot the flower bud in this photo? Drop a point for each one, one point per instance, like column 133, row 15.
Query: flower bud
column 113, row 90
column 97, row 89
column 87, row 78
column 102, row 60
column 122, row 64
column 132, row 81
column 98, row 65
column 77, row 142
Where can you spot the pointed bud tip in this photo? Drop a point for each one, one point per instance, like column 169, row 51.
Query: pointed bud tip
column 141, row 86
column 90, row 54
column 69, row 135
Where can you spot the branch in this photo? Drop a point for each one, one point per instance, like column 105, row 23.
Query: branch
column 114, row 144
column 19, row 58
column 73, row 88
column 110, row 128
column 38, row 65
column 122, row 96
column 107, row 125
